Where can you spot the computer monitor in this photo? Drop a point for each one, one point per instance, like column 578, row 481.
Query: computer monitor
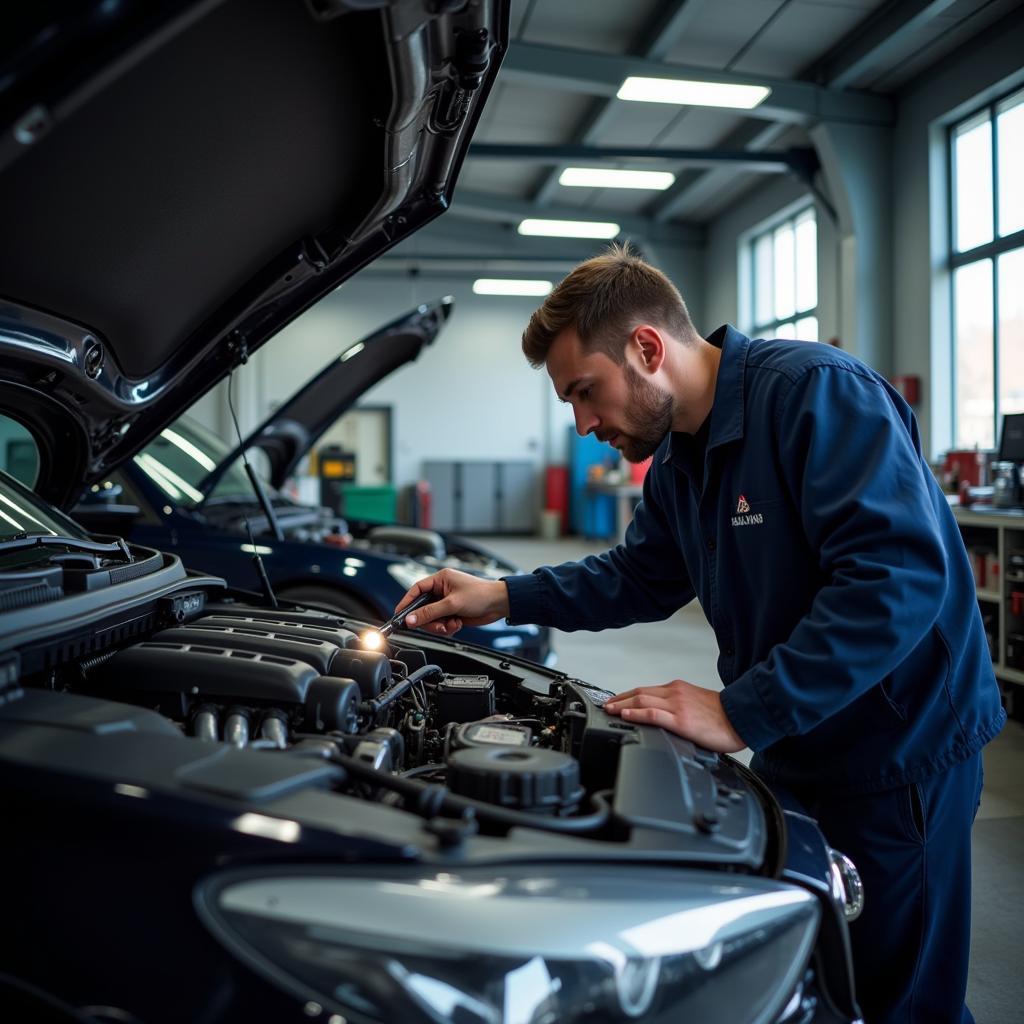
column 1011, row 446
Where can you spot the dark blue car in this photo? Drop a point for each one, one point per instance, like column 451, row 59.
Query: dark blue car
column 188, row 492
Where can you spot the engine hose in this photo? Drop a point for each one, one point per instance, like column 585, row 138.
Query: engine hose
column 423, row 769
column 441, row 798
column 373, row 708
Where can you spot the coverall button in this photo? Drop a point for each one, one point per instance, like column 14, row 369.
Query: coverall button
column 711, row 544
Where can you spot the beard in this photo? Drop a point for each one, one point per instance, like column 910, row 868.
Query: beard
column 648, row 420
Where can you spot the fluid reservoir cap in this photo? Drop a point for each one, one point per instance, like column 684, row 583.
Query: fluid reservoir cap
column 542, row 781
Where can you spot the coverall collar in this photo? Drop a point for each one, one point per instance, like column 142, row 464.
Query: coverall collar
column 727, row 408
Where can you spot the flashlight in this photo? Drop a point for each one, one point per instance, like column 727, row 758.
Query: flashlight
column 374, row 638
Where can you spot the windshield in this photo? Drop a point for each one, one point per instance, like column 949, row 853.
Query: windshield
column 23, row 512
column 181, row 458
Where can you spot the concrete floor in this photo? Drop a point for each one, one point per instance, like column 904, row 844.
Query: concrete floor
column 684, row 647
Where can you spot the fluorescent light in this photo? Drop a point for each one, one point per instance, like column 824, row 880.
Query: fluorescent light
column 501, row 286
column 189, row 449
column 568, row 228
column 607, row 177
column 692, row 94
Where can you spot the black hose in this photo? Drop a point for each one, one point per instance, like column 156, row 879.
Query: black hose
column 375, row 706
column 423, row 769
column 430, row 799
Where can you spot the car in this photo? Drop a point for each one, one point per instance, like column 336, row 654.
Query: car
column 222, row 806
column 188, row 491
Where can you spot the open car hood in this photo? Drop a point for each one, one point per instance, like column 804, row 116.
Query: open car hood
column 289, row 433
column 180, row 181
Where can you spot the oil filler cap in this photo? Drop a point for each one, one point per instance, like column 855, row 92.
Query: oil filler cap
column 541, row 781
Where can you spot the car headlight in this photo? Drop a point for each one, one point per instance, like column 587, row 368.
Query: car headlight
column 847, row 887
column 405, row 574
column 519, row 946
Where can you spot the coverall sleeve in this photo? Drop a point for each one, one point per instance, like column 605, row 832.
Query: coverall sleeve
column 860, row 486
column 643, row 579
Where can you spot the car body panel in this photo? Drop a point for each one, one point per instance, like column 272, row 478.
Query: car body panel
column 301, row 420
column 133, row 292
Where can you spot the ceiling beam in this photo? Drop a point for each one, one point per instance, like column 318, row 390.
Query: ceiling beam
column 695, row 188
column 602, row 74
column 798, row 159
column 658, row 39
column 880, row 42
column 508, row 210
column 453, row 237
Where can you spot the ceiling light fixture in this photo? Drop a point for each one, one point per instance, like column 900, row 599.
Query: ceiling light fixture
column 607, row 177
column 568, row 228
column 693, row 94
column 507, row 286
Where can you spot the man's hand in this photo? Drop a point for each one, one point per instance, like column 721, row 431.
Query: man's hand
column 692, row 712
column 462, row 600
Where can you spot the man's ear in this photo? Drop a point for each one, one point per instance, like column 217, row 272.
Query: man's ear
column 649, row 345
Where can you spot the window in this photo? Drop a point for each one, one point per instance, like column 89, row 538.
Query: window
column 784, row 263
column 987, row 265
column 19, row 454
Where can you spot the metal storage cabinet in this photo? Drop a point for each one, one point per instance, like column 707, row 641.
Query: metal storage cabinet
column 482, row 496
column 441, row 478
column 518, row 508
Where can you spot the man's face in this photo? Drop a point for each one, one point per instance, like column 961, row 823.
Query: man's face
column 617, row 403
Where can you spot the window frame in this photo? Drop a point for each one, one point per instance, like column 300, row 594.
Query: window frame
column 991, row 251
column 790, row 216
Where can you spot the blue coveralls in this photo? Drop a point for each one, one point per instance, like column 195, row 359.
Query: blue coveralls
column 851, row 646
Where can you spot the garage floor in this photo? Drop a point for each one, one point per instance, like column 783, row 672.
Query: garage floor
column 684, row 647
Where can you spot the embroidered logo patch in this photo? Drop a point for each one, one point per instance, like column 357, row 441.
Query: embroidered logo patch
column 744, row 517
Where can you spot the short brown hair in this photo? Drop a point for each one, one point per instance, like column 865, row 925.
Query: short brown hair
column 604, row 298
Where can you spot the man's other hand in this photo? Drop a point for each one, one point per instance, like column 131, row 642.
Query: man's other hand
column 692, row 712
column 461, row 600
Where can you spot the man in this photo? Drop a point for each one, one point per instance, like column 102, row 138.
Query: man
column 787, row 493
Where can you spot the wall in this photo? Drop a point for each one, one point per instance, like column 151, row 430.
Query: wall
column 471, row 395
column 723, row 302
column 913, row 328
column 992, row 63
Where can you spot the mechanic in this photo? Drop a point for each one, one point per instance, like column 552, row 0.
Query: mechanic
column 789, row 494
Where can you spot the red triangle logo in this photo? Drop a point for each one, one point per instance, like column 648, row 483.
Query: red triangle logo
column 742, row 505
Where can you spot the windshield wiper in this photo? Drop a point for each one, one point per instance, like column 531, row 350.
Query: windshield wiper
column 21, row 541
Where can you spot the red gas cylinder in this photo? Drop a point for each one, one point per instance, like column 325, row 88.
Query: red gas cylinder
column 638, row 470
column 556, row 492
column 422, row 504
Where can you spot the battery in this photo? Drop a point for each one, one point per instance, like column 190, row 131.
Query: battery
column 464, row 699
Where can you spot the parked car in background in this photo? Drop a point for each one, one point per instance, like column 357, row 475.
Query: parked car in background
column 188, row 491
column 218, row 808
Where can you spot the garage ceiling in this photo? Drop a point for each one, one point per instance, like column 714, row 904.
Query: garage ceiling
column 825, row 59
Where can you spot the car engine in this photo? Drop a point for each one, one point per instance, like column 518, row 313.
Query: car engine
column 441, row 729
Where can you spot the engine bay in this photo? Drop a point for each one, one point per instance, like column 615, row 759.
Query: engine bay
column 466, row 741
column 434, row 727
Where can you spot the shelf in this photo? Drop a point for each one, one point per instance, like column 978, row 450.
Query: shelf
column 1013, row 675
column 988, row 595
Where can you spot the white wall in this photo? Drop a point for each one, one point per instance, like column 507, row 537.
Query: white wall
column 722, row 300
column 913, row 327
column 991, row 64
column 471, row 395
